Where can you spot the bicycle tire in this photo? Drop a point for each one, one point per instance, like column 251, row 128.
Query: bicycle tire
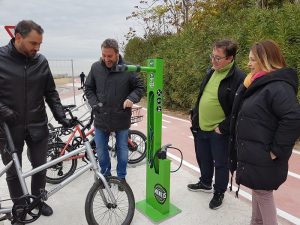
column 98, row 209
column 62, row 170
column 137, row 152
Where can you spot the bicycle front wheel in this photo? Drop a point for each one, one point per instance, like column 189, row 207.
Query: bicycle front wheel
column 99, row 209
column 137, row 146
column 62, row 170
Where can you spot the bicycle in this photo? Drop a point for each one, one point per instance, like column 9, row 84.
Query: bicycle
column 136, row 139
column 111, row 197
column 59, row 172
column 82, row 117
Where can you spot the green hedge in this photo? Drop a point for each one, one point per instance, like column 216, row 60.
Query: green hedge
column 186, row 54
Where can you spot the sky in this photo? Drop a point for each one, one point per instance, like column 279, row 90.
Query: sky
column 73, row 29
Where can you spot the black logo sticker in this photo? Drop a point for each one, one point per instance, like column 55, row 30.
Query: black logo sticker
column 160, row 193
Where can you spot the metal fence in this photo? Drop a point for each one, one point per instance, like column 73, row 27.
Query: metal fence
column 63, row 68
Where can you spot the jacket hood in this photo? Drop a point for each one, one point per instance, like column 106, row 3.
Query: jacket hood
column 288, row 75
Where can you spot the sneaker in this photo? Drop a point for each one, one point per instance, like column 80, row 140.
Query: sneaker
column 46, row 210
column 199, row 187
column 216, row 201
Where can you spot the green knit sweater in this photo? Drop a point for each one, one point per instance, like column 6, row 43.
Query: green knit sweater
column 210, row 110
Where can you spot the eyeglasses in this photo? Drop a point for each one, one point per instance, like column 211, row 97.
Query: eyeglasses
column 217, row 58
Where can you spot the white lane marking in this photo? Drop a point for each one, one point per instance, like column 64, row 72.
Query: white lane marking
column 294, row 175
column 246, row 195
column 280, row 212
column 195, row 168
column 191, row 137
column 166, row 121
column 296, row 152
column 288, row 216
column 164, row 127
column 175, row 118
column 172, row 117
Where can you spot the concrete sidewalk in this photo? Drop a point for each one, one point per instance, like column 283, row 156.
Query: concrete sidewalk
column 68, row 204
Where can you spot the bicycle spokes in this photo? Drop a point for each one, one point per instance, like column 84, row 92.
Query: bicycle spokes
column 101, row 210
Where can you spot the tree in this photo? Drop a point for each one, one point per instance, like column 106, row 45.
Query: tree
column 267, row 4
column 162, row 16
column 186, row 52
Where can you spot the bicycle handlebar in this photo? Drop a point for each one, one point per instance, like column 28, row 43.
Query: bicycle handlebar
column 89, row 124
column 68, row 107
column 75, row 119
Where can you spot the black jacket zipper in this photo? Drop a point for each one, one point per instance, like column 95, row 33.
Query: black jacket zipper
column 25, row 93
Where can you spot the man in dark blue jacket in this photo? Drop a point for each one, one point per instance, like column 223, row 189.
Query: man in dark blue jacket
column 113, row 94
column 210, row 120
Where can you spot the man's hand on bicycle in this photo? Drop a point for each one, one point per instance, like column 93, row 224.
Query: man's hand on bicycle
column 68, row 123
column 8, row 115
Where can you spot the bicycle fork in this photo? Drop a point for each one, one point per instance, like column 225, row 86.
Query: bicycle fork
column 98, row 175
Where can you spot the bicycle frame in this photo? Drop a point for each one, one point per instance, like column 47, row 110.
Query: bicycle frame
column 76, row 129
column 90, row 132
column 132, row 146
column 92, row 164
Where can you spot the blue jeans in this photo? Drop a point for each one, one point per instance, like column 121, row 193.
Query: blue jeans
column 212, row 155
column 101, row 140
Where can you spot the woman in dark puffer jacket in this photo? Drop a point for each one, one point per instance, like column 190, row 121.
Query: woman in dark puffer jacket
column 264, row 127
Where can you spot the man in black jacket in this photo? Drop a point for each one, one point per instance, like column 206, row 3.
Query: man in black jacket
column 26, row 83
column 210, row 120
column 82, row 76
column 113, row 94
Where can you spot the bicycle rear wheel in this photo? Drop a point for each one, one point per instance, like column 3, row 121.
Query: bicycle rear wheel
column 60, row 171
column 137, row 146
column 99, row 208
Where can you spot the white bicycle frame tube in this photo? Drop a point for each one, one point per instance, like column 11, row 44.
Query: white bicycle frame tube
column 92, row 164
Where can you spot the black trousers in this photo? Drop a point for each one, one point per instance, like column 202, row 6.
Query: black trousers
column 212, row 157
column 38, row 156
column 81, row 82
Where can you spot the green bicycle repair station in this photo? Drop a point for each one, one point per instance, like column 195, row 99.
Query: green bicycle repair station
column 157, row 204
